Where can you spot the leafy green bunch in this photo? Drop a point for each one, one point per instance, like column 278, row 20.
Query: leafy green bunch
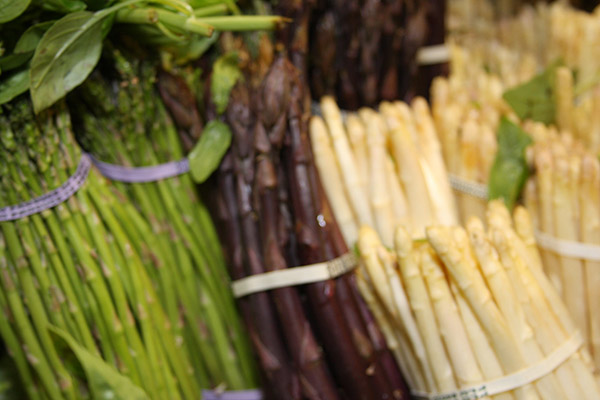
column 51, row 47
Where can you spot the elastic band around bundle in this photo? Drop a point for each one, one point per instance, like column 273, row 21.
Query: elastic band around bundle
column 436, row 54
column 141, row 174
column 512, row 381
column 294, row 276
column 568, row 248
column 251, row 394
column 50, row 199
column 474, row 189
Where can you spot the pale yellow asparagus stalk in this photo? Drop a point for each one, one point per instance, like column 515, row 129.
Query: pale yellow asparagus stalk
column 564, row 98
column 451, row 327
column 440, row 192
column 550, row 334
column 511, row 296
column 488, row 148
column 391, row 294
column 565, row 227
column 470, row 168
column 589, row 197
column 408, row 368
column 594, row 128
column 358, row 141
column 486, row 357
column 379, row 194
column 411, row 175
column 446, row 115
column 402, row 310
column 472, row 286
column 399, row 204
column 350, row 175
column 330, row 175
column 545, row 176
column 423, row 311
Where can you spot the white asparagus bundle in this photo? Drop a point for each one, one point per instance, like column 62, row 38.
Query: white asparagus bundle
column 479, row 303
column 382, row 169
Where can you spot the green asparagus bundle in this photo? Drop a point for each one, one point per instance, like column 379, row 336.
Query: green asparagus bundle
column 121, row 120
column 82, row 317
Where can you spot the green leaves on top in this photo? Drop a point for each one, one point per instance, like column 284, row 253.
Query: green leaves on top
column 225, row 75
column 535, row 99
column 16, row 84
column 104, row 381
column 509, row 171
column 31, row 37
column 206, row 155
column 11, row 9
column 67, row 54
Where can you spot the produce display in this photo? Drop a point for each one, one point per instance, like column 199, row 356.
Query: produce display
column 467, row 306
column 299, row 200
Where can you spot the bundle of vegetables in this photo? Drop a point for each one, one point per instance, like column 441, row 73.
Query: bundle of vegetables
column 314, row 341
column 136, row 290
column 563, row 197
column 121, row 120
column 363, row 52
column 81, row 315
column 469, row 306
column 382, row 168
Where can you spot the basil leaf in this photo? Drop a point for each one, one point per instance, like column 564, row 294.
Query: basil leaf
column 104, row 381
column 11, row 9
column 31, row 37
column 509, row 171
column 206, row 155
column 67, row 54
column 13, row 61
column 224, row 77
column 14, row 85
column 535, row 99
column 64, row 6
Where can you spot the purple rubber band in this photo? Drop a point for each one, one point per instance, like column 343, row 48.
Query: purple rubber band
column 141, row 174
column 50, row 199
column 251, row 394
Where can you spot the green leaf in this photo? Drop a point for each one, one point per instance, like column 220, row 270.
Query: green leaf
column 14, row 85
column 64, row 6
column 206, row 155
column 104, row 381
column 226, row 73
column 11, row 9
column 13, row 61
column 31, row 37
column 535, row 99
column 67, row 54
column 509, row 171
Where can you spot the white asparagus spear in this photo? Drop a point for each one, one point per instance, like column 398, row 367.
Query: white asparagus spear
column 472, row 286
column 402, row 356
column 550, row 334
column 564, row 98
column 441, row 194
column 512, row 298
column 565, row 228
column 451, row 327
column 411, row 175
column 486, row 357
column 423, row 311
column 391, row 293
column 470, row 168
column 379, row 195
column 589, row 197
column 544, row 173
column 399, row 204
column 358, row 140
column 358, row 198
column 330, row 175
